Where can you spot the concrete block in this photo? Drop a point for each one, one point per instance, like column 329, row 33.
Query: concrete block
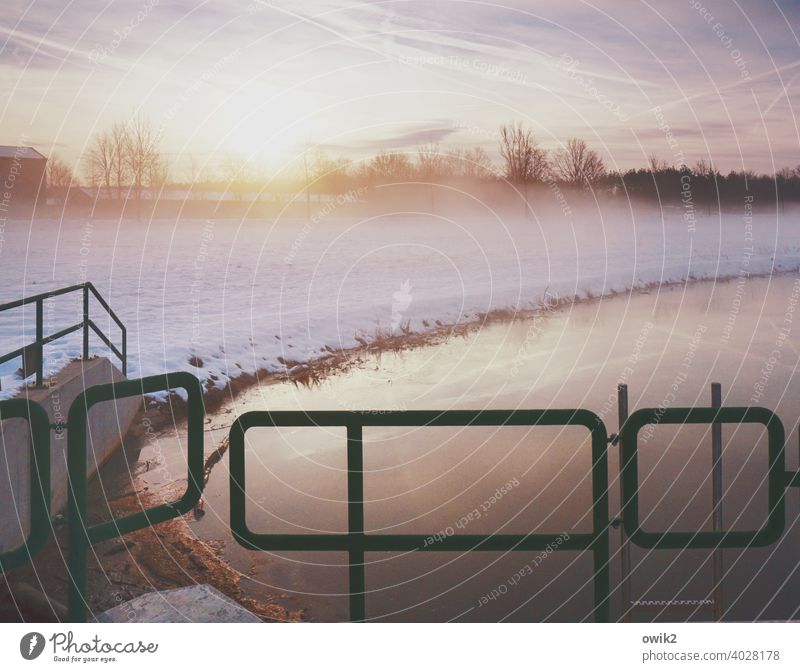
column 193, row 604
column 108, row 424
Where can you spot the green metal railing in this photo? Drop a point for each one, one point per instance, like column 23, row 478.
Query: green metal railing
column 32, row 355
column 356, row 542
column 39, row 462
column 778, row 479
column 81, row 535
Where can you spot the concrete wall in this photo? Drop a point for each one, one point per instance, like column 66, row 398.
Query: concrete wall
column 108, row 423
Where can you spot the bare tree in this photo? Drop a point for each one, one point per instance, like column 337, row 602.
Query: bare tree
column 390, row 165
column 236, row 173
column 193, row 174
column 577, row 165
column 99, row 162
column 199, row 175
column 321, row 173
column 158, row 174
column 59, row 174
column 477, row 164
column 329, row 174
column 141, row 152
column 119, row 141
column 657, row 165
column 703, row 168
column 524, row 160
column 431, row 162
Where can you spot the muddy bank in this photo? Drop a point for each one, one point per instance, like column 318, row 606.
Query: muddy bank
column 164, row 556
column 309, row 373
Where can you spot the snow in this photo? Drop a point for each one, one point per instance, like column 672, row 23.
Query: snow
column 240, row 294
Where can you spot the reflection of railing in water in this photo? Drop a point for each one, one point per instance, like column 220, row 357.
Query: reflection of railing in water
column 356, row 542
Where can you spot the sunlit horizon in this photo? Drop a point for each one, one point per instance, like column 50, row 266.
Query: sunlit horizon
column 262, row 81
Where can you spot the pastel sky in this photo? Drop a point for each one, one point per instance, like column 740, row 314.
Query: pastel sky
column 261, row 79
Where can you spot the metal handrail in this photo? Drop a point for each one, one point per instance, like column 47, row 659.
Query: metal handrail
column 356, row 542
column 36, row 349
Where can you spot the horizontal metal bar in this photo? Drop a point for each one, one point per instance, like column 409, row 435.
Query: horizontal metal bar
column 450, row 418
column 44, row 295
column 49, row 339
column 371, row 543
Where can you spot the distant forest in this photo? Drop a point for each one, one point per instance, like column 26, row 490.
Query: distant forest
column 126, row 159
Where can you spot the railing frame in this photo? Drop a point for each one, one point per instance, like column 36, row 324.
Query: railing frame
column 39, row 462
column 356, row 542
column 82, row 535
column 35, row 350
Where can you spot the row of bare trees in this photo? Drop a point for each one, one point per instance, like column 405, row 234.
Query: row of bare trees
column 125, row 159
column 525, row 161
column 430, row 162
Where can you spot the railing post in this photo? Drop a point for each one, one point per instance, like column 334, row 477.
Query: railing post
column 355, row 520
column 716, row 500
column 86, row 322
column 124, row 351
column 624, row 544
column 76, row 511
column 39, row 344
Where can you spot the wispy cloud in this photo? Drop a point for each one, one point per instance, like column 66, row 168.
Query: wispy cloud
column 363, row 76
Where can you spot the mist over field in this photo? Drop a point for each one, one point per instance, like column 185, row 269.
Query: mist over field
column 243, row 295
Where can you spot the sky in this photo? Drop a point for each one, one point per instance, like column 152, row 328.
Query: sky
column 685, row 80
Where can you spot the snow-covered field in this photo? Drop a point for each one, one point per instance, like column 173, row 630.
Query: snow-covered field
column 241, row 294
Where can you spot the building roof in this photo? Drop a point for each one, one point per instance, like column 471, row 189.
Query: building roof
column 12, row 151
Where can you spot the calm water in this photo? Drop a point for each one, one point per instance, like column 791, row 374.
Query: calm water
column 667, row 345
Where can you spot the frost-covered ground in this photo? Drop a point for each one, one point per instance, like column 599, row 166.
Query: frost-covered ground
column 241, row 294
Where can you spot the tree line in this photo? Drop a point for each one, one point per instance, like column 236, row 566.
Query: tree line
column 126, row 158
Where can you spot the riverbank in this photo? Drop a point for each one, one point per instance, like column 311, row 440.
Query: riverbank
column 424, row 481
